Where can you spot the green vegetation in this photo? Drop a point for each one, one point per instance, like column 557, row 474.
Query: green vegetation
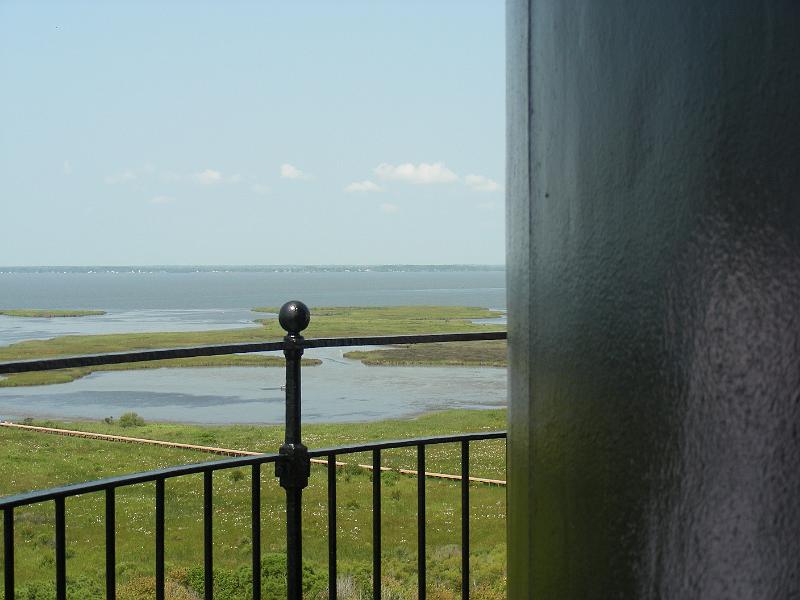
column 35, row 460
column 67, row 375
column 325, row 322
column 131, row 419
column 49, row 314
column 452, row 354
column 347, row 321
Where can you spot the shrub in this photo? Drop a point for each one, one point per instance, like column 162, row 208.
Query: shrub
column 80, row 588
column 131, row 419
column 237, row 584
column 144, row 588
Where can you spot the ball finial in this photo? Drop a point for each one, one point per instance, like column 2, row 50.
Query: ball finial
column 294, row 317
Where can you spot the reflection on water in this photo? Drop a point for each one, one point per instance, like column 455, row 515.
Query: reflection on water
column 340, row 390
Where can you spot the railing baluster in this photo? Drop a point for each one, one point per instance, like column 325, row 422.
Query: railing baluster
column 421, row 576
column 208, row 539
column 295, row 467
column 111, row 546
column 465, row 520
column 159, row 539
column 8, row 551
column 332, row 591
column 256, row 529
column 61, row 551
column 376, row 524
column 109, row 485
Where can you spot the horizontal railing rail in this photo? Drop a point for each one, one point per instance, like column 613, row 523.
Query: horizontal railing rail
column 425, row 441
column 292, row 467
column 99, row 485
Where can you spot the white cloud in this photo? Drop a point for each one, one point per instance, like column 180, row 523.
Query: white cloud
column 123, row 177
column 204, row 177
column 260, row 188
column 291, row 172
column 162, row 200
column 130, row 174
column 480, row 183
column 363, row 186
column 389, row 208
column 421, row 173
column 207, row 177
column 67, row 168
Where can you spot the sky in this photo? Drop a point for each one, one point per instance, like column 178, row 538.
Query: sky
column 271, row 132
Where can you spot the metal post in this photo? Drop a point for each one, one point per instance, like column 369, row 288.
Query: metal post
column 294, row 467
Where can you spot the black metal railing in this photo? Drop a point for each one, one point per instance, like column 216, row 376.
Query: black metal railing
column 292, row 467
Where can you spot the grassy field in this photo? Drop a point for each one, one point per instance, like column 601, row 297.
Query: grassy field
column 32, row 460
column 325, row 322
column 460, row 354
column 345, row 321
column 36, row 313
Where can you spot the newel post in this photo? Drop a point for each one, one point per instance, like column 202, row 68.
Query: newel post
column 294, row 467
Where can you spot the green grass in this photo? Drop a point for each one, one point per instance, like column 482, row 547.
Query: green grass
column 325, row 322
column 67, row 375
column 49, row 314
column 346, row 321
column 451, row 354
column 32, row 460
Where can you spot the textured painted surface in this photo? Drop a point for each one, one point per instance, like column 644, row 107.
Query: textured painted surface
column 654, row 299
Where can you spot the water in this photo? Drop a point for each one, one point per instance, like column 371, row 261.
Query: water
column 17, row 329
column 167, row 290
column 338, row 390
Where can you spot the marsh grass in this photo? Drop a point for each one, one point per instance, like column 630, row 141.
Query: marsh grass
column 67, row 375
column 36, row 313
column 451, row 354
column 325, row 322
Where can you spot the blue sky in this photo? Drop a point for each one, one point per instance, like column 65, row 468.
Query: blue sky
column 178, row 132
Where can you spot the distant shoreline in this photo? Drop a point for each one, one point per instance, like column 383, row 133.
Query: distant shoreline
column 116, row 269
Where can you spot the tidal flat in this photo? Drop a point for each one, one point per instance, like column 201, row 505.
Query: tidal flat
column 325, row 322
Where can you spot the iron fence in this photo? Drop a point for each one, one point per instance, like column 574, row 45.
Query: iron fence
column 292, row 467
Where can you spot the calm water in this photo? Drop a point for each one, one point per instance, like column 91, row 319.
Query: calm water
column 338, row 390
column 244, row 290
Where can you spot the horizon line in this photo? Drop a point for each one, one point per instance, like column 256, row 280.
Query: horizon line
column 260, row 265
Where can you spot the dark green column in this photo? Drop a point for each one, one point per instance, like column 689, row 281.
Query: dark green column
column 654, row 299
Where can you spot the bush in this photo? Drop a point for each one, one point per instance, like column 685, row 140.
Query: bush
column 131, row 419
column 237, row 584
column 144, row 588
column 80, row 588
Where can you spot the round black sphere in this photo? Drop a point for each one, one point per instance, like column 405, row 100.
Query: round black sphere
column 294, row 316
